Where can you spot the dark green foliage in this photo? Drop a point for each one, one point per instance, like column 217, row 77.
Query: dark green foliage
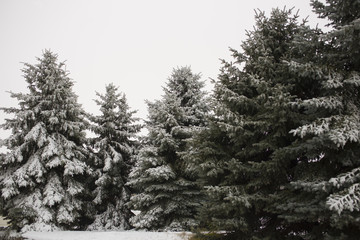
column 323, row 198
column 280, row 158
column 252, row 121
column 20, row 216
column 216, row 236
column 343, row 41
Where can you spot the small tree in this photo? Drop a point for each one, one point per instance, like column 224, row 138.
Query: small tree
column 114, row 147
column 43, row 174
column 167, row 195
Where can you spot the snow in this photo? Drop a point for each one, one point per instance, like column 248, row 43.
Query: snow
column 88, row 235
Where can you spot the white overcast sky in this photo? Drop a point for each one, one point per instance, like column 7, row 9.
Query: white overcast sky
column 134, row 44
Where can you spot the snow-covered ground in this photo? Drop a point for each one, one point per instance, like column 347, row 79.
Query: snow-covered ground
column 126, row 235
column 3, row 222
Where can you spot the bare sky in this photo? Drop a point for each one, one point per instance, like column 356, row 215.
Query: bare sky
column 134, row 44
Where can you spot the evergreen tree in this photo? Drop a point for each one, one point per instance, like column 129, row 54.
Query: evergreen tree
column 324, row 195
column 252, row 121
column 43, row 174
column 167, row 194
column 114, row 148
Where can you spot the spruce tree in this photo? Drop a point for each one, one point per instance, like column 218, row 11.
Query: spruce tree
column 114, row 146
column 167, row 194
column 252, row 121
column 323, row 199
column 43, row 174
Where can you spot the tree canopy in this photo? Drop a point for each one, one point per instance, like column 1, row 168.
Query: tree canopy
column 42, row 180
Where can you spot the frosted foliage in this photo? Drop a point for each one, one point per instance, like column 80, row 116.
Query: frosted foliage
column 21, row 177
column 65, row 215
column 161, row 172
column 339, row 129
column 74, row 167
column 231, row 194
column 113, row 146
column 107, row 164
column 353, row 80
column 43, row 216
column 67, row 212
column 236, row 197
column 164, row 189
column 9, row 188
column 225, row 114
column 178, row 225
column 53, row 192
column 182, row 131
column 148, row 219
column 134, row 177
column 311, row 186
column 322, row 102
column 55, row 161
column 345, row 179
column 102, row 180
column 155, row 217
column 14, row 156
column 231, row 96
column 36, row 168
column 116, row 156
column 142, row 199
column 172, row 206
column 37, row 134
column 337, row 80
column 50, row 150
column 46, row 151
column 349, row 199
column 112, row 219
column 306, row 70
column 98, row 198
column 146, row 159
column 32, row 168
column 116, row 215
column 348, row 131
column 317, row 128
column 40, row 227
column 74, row 188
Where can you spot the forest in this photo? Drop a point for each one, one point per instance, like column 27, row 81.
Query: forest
column 271, row 153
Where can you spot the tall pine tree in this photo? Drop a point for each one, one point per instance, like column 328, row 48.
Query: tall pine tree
column 167, row 194
column 43, row 174
column 253, row 117
column 114, row 146
column 323, row 199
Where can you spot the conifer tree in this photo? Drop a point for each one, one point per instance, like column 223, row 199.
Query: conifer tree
column 114, row 145
column 43, row 174
column 167, row 194
column 324, row 195
column 251, row 123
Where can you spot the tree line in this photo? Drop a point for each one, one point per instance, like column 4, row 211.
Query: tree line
column 272, row 153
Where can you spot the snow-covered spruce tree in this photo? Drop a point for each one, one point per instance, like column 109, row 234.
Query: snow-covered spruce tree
column 324, row 198
column 252, row 121
column 167, row 194
column 114, row 146
column 43, row 174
